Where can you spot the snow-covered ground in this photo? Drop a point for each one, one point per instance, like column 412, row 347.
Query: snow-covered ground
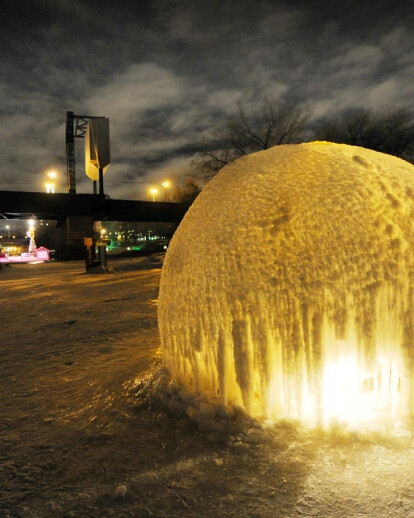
column 79, row 354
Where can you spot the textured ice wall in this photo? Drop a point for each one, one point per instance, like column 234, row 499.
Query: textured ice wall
column 288, row 287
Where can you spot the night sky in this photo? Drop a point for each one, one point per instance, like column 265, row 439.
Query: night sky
column 165, row 72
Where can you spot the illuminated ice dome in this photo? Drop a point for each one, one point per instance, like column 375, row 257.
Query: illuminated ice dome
column 288, row 287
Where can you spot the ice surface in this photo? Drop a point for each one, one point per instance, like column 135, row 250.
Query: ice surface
column 288, row 288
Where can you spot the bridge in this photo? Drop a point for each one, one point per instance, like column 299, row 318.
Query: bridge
column 76, row 213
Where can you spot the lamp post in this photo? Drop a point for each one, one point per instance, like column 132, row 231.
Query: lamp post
column 153, row 192
column 50, row 186
column 165, row 184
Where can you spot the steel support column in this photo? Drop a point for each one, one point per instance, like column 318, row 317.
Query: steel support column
column 70, row 153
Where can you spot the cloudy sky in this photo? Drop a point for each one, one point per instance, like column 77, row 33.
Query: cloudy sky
column 166, row 71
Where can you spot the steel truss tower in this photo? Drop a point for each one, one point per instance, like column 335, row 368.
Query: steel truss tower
column 76, row 126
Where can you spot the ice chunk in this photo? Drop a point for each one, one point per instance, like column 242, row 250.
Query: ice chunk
column 288, row 288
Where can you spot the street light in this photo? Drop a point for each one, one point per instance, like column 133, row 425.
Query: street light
column 165, row 184
column 153, row 192
column 50, row 186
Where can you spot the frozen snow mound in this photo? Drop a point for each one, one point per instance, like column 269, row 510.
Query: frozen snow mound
column 288, row 288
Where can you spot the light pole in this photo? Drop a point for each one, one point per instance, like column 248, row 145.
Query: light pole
column 8, row 231
column 153, row 192
column 50, row 186
column 165, row 184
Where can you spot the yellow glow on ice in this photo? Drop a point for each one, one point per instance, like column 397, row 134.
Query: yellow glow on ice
column 352, row 396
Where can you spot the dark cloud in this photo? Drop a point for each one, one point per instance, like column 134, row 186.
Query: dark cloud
column 167, row 71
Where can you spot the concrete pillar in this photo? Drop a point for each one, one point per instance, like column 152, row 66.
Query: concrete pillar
column 70, row 234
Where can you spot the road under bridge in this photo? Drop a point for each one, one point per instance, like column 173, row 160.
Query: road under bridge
column 75, row 214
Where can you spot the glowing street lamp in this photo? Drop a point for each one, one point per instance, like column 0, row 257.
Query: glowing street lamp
column 50, row 186
column 165, row 184
column 153, row 192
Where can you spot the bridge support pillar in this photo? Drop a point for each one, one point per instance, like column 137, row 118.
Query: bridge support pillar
column 70, row 233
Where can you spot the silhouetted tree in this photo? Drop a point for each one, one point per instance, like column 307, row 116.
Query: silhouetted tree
column 186, row 189
column 275, row 123
column 390, row 132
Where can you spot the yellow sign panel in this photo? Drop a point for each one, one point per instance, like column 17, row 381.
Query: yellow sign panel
column 97, row 150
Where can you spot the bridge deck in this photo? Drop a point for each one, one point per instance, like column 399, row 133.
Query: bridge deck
column 17, row 204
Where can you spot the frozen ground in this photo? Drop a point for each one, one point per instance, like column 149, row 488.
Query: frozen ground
column 76, row 356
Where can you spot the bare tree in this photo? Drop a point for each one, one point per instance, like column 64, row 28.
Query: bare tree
column 275, row 123
column 390, row 132
column 186, row 189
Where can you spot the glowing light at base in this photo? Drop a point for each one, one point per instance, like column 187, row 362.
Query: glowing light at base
column 288, row 288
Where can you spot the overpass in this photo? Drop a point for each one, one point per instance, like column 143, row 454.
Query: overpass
column 76, row 213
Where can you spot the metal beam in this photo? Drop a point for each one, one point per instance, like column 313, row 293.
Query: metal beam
column 14, row 204
column 81, row 124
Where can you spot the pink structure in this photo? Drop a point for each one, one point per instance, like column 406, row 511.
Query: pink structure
column 41, row 254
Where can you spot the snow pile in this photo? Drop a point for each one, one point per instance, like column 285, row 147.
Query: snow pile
column 288, row 288
column 159, row 392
